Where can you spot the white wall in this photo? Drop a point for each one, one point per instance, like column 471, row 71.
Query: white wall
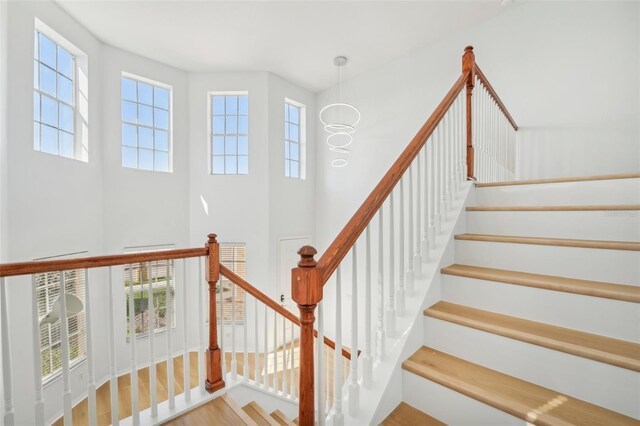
column 567, row 72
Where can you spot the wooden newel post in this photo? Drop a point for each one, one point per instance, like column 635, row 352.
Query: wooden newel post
column 306, row 291
column 469, row 64
column 214, row 380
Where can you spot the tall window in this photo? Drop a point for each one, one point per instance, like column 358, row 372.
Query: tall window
column 229, row 133
column 60, row 86
column 233, row 256
column 146, row 277
column 47, row 292
column 146, row 124
column 294, row 138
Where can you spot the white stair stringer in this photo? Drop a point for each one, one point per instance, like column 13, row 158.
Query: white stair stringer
column 606, row 385
column 547, row 306
column 606, row 265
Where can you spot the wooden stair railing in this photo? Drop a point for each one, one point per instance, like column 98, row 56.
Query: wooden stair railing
column 309, row 278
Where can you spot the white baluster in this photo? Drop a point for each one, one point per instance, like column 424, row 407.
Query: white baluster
column 153, row 377
column 64, row 344
column 245, row 338
column 202, row 301
column 400, row 302
column 113, row 368
column 256, row 358
column 391, row 308
column 322, row 383
column 431, row 180
column 275, row 352
column 91, row 381
column 337, row 416
column 234, row 361
column 265, row 380
column 436, row 181
column 354, row 394
column 7, row 371
column 292, row 371
column 37, row 367
column 169, row 319
column 447, row 166
column 284, row 357
column 418, row 256
column 133, row 372
column 425, row 209
column 186, row 362
column 380, row 331
column 367, row 361
column 220, row 312
column 409, row 275
column 443, row 170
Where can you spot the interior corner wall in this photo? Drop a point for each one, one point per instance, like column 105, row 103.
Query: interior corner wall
column 567, row 72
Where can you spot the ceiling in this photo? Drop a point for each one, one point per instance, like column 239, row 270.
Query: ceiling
column 294, row 39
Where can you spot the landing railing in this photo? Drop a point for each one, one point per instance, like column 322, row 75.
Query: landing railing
column 411, row 203
column 160, row 290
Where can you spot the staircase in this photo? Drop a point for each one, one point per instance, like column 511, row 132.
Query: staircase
column 225, row 411
column 539, row 320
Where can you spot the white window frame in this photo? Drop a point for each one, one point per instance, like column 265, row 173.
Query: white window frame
column 80, row 94
column 210, row 133
column 81, row 318
column 172, row 283
column 302, row 143
column 154, row 83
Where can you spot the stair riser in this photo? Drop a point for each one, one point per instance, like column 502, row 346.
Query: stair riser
column 451, row 407
column 606, row 385
column 618, row 191
column 589, row 225
column 614, row 266
column 606, row 317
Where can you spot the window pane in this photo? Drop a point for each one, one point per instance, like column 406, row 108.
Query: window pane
column 218, row 125
column 145, row 93
column 243, row 145
column 145, row 137
column 65, row 89
column 161, row 97
column 128, row 89
column 218, row 105
column 49, row 140
column 129, row 135
column 36, row 136
column 286, row 112
column 65, row 63
column 47, row 51
column 243, row 165
column 145, row 115
column 161, row 118
column 286, row 150
column 146, row 159
column 66, row 144
column 230, row 145
column 293, row 151
column 49, row 111
column 66, row 118
column 35, row 44
column 47, row 80
column 286, row 168
column 36, row 106
column 129, row 112
column 243, row 104
column 232, row 124
column 294, row 169
column 294, row 115
column 230, row 165
column 161, row 161
column 294, row 132
column 243, row 124
column 218, row 165
column 36, row 76
column 286, row 130
column 218, row 145
column 129, row 157
column 162, row 140
column 231, row 105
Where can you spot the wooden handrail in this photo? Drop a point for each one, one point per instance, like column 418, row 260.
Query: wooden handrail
column 485, row 82
column 359, row 221
column 246, row 286
column 39, row 266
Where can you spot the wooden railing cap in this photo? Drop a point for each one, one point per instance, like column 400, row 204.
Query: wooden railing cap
column 468, row 48
column 306, row 257
column 212, row 238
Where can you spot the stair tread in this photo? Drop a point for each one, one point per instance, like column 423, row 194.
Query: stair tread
column 561, row 180
column 222, row 410
column 259, row 415
column 562, row 242
column 605, row 207
column 616, row 352
column 532, row 403
column 628, row 293
column 282, row 418
column 404, row 415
